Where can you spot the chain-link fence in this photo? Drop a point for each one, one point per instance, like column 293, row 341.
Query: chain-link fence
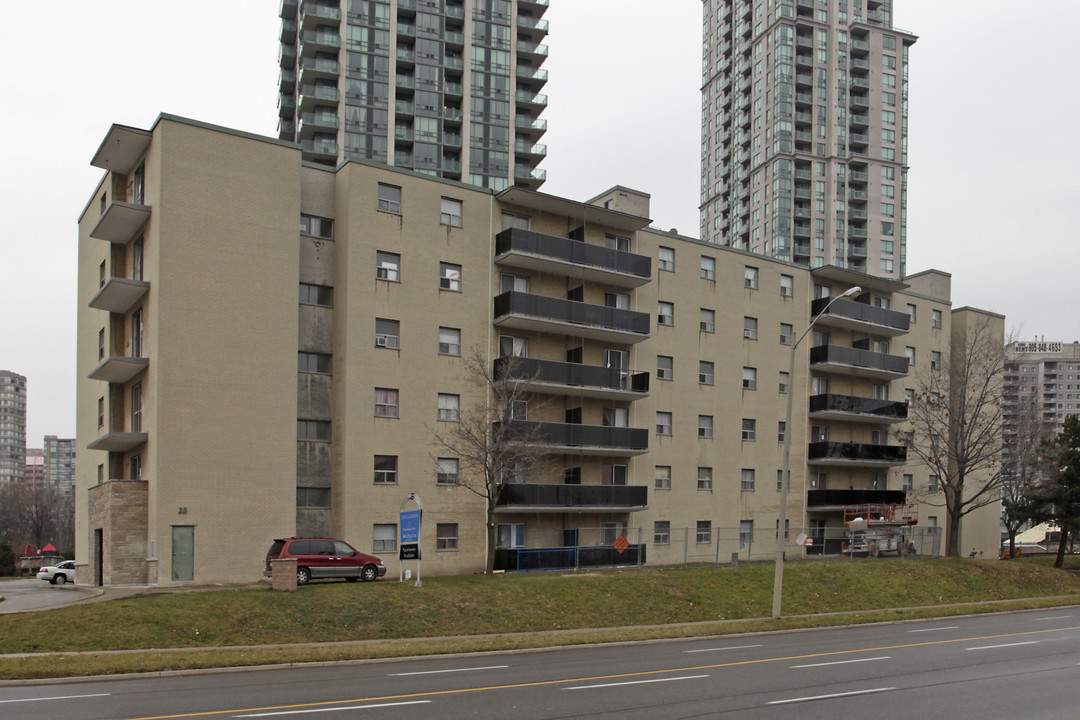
column 607, row 547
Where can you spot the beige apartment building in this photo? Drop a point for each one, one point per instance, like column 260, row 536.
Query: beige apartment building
column 268, row 346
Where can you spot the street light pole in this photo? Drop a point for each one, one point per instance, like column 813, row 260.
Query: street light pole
column 785, row 477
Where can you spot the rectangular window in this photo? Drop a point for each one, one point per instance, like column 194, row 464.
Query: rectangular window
column 510, row 346
column 909, row 482
column 448, row 407
column 787, row 286
column 451, row 212
column 386, row 402
column 750, row 277
column 387, row 266
column 749, row 429
column 101, row 344
column 136, row 467
column 449, row 341
column 101, row 412
column 781, row 431
column 387, row 333
column 704, row 531
column 136, row 333
column 704, row 478
column 911, row 311
column 661, row 532
column 617, row 242
column 667, row 259
column 385, row 469
column 935, row 319
column 312, row 430
column 704, row 426
column 384, row 538
column 708, row 320
column 663, row 477
column 100, row 474
column 663, row 423
column 389, row 199
column 785, row 381
column 747, row 482
column 446, row 535
column 749, row 328
column 514, row 220
column 708, row 268
column 321, row 295
column 749, row 378
column 705, row 372
column 446, row 471
column 787, row 333
column 315, row 226
column 136, row 408
column 665, row 313
column 779, row 480
column 664, row 367
column 935, row 360
column 313, row 362
column 934, row 484
column 910, row 353
column 450, row 277
column 613, row 474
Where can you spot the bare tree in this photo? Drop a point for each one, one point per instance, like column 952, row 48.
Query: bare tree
column 955, row 424
column 492, row 441
column 1026, row 432
column 37, row 515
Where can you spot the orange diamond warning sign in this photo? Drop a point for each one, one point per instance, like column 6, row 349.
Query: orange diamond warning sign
column 621, row 543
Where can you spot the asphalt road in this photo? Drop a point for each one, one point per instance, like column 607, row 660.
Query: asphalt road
column 33, row 594
column 1015, row 665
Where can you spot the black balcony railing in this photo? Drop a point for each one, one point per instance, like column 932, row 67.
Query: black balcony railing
column 574, row 251
column 836, row 498
column 859, row 358
column 865, row 452
column 862, row 312
column 571, row 374
column 566, row 558
column 859, row 406
column 574, row 435
column 527, row 495
column 570, row 311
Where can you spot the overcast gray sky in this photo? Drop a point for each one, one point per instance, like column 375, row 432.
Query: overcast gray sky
column 992, row 187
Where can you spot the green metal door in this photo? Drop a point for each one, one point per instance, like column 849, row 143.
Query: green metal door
column 183, row 552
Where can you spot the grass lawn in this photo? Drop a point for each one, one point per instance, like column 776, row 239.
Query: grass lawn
column 386, row 612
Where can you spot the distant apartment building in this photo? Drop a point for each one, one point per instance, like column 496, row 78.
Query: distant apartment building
column 273, row 358
column 12, row 427
column 59, row 461
column 35, row 468
column 448, row 88
column 1041, row 386
column 804, row 129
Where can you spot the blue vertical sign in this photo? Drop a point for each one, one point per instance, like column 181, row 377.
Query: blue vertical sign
column 409, row 523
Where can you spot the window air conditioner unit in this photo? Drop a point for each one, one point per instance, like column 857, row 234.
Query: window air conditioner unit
column 706, row 327
column 749, row 334
column 444, row 283
column 382, row 273
column 382, row 341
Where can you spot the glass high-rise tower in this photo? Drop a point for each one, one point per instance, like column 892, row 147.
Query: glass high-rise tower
column 449, row 88
column 804, row 131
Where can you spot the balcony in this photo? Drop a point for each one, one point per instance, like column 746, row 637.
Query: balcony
column 858, row 363
column 852, row 454
column 287, row 9
column 562, row 256
column 531, row 75
column 526, row 123
column 312, row 14
column 836, row 499
column 286, row 81
column 599, row 440
column 314, row 68
column 311, row 123
column 287, row 56
column 564, row 378
column 312, row 95
column 120, row 222
column 525, row 176
column 861, row 317
column 119, row 368
column 567, row 558
column 118, row 441
column 320, row 148
column 534, row 149
column 536, row 497
column 312, row 41
column 288, row 31
column 539, row 313
column 535, row 100
column 530, row 23
column 857, row 409
column 286, row 105
column 119, row 295
column 532, row 49
column 856, row 233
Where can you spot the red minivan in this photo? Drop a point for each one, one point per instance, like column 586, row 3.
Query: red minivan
column 325, row 558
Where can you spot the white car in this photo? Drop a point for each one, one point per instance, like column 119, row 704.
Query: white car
column 58, row 574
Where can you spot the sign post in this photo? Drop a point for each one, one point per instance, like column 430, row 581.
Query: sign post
column 409, row 523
